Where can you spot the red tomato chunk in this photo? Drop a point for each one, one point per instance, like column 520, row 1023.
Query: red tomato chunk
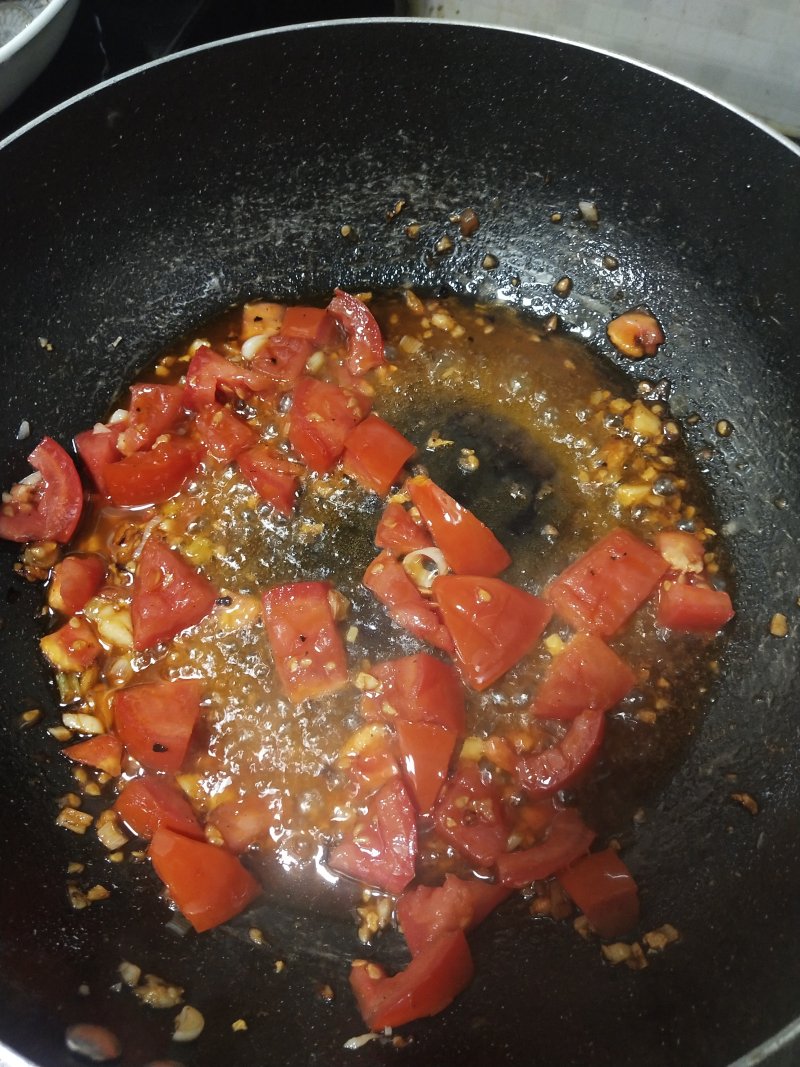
column 310, row 324
column 147, row 803
column 543, row 773
column 386, row 578
column 151, row 477
column 321, row 418
column 155, row 721
column 470, row 816
column 374, row 453
column 168, row 595
column 274, row 478
column 103, row 752
column 418, row 688
column 49, row 509
column 425, row 751
column 75, row 580
column 223, row 434
column 364, row 340
column 73, row 647
column 398, row 531
column 693, row 608
column 97, row 448
column 587, row 674
column 603, row 888
column 211, row 377
column 425, row 912
column 154, row 409
column 568, row 838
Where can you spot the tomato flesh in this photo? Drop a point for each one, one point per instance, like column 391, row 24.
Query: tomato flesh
column 600, row 591
column 425, row 751
column 418, row 688
column 388, row 581
column 151, row 477
column 567, row 839
column 223, row 434
column 97, row 448
column 168, row 595
column 321, row 418
column 75, row 580
column 147, row 803
column 382, row 850
column 683, row 551
column 470, row 816
column 586, row 674
column 468, row 546
column 364, row 340
column 543, row 773
column 310, row 324
column 50, row 510
column 605, row 891
column 435, row 976
column 307, row 647
column 153, row 410
column 425, row 912
column 493, row 624
column 155, row 721
column 375, row 453
column 210, row 374
column 273, row 477
column 249, row 820
column 103, row 752
column 72, row 647
column 398, row 532
column 207, row 884
column 693, row 608
column 283, row 359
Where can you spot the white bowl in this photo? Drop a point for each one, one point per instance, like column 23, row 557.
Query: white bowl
column 25, row 56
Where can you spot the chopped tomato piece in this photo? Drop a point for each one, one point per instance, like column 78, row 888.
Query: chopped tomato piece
column 207, row 884
column 682, row 551
column 425, row 752
column 469, row 546
column 587, row 674
column 250, row 820
column 370, row 770
column 543, row 773
column 103, row 752
column 693, row 608
column 493, row 624
column 321, row 418
column 426, row 912
column 435, row 976
column 210, row 373
column 386, row 578
column 364, row 340
column 601, row 590
column 567, row 840
column 603, row 888
column 223, row 434
column 374, row 453
column 309, row 653
column 283, row 359
column 310, row 324
column 73, row 647
column 151, row 477
column 419, row 688
column 155, row 721
column 147, row 803
column 97, row 448
column 470, row 816
column 153, row 410
column 274, row 477
column 75, row 580
column 398, row 531
column 48, row 510
column 169, row 595
column 382, row 850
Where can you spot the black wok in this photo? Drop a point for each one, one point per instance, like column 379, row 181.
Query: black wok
column 143, row 208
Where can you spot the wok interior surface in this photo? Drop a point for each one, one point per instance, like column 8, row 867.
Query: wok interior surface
column 146, row 207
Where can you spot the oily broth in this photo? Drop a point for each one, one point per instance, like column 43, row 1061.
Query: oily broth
column 536, row 410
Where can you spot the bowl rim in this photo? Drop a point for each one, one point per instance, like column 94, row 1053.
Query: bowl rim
column 37, row 23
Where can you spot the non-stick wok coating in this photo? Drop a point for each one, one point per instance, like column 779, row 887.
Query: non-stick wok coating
column 149, row 205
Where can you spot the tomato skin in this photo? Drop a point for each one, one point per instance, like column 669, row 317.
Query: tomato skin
column 586, row 674
column 54, row 508
column 470, row 816
column 388, row 581
column 72, row 647
column 151, row 477
column 103, row 752
column 375, row 453
column 425, row 751
column 693, row 608
column 321, row 418
column 567, row 839
column 310, row 324
column 603, row 888
column 209, row 373
column 364, row 340
column 493, row 624
column 97, row 449
column 274, row 477
column 307, row 647
column 208, row 885
column 383, row 850
column 468, row 546
column 418, row 688
column 600, row 591
column 168, row 595
column 425, row 912
column 149, row 802
column 543, row 773
column 435, row 976
column 75, row 580
column 398, row 531
column 223, row 434
column 153, row 410
column 155, row 721
column 283, row 359
column 249, row 820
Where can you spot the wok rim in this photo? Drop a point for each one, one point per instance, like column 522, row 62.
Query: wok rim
column 783, row 1038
